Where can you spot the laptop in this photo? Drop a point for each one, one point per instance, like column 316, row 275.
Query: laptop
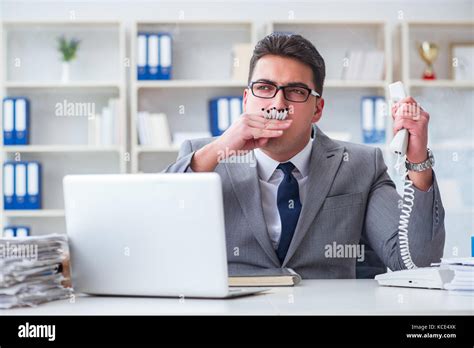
column 148, row 235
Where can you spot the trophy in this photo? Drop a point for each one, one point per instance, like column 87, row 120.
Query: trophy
column 428, row 52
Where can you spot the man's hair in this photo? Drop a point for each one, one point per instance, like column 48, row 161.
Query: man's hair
column 292, row 46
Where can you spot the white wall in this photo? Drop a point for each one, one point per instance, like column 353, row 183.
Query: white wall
column 268, row 9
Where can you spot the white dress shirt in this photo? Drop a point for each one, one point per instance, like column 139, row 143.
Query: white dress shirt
column 270, row 179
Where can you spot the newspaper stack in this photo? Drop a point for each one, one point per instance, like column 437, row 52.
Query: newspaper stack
column 463, row 281
column 30, row 270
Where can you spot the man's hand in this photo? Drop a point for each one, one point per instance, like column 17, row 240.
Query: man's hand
column 408, row 114
column 250, row 131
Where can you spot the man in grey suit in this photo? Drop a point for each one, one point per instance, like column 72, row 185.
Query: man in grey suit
column 294, row 197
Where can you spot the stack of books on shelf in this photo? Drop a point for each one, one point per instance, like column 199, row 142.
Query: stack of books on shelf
column 153, row 129
column 104, row 129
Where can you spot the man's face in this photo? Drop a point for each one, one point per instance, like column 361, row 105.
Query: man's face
column 283, row 71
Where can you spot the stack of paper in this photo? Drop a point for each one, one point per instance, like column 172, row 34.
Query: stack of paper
column 463, row 274
column 30, row 270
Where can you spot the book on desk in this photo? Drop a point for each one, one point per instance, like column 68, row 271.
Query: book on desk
column 264, row 277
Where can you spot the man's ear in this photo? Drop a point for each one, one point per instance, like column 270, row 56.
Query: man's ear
column 244, row 100
column 318, row 110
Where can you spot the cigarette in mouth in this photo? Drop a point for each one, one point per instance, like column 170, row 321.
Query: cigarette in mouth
column 275, row 114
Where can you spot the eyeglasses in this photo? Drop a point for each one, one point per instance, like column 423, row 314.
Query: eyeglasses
column 268, row 90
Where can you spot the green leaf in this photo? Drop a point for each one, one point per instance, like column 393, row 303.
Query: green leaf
column 68, row 48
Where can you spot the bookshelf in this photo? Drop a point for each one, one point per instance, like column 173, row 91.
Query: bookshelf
column 31, row 67
column 451, row 106
column 184, row 98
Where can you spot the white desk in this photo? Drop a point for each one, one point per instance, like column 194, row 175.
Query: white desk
column 310, row 297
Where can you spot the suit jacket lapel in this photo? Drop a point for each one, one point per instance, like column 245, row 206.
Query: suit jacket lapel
column 244, row 179
column 326, row 157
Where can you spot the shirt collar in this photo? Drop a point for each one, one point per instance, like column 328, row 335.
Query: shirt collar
column 266, row 165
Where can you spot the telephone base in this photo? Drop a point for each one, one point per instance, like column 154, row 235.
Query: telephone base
column 425, row 277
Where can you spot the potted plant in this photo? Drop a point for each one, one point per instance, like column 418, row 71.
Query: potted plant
column 68, row 50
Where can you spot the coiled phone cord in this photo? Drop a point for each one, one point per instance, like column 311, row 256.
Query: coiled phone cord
column 408, row 199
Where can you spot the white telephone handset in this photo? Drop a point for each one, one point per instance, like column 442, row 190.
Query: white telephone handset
column 427, row 277
column 399, row 142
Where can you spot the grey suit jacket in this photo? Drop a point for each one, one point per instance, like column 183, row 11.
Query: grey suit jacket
column 350, row 199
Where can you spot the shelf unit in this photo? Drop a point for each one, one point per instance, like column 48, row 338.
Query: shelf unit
column 60, row 143
column 451, row 107
column 211, row 45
